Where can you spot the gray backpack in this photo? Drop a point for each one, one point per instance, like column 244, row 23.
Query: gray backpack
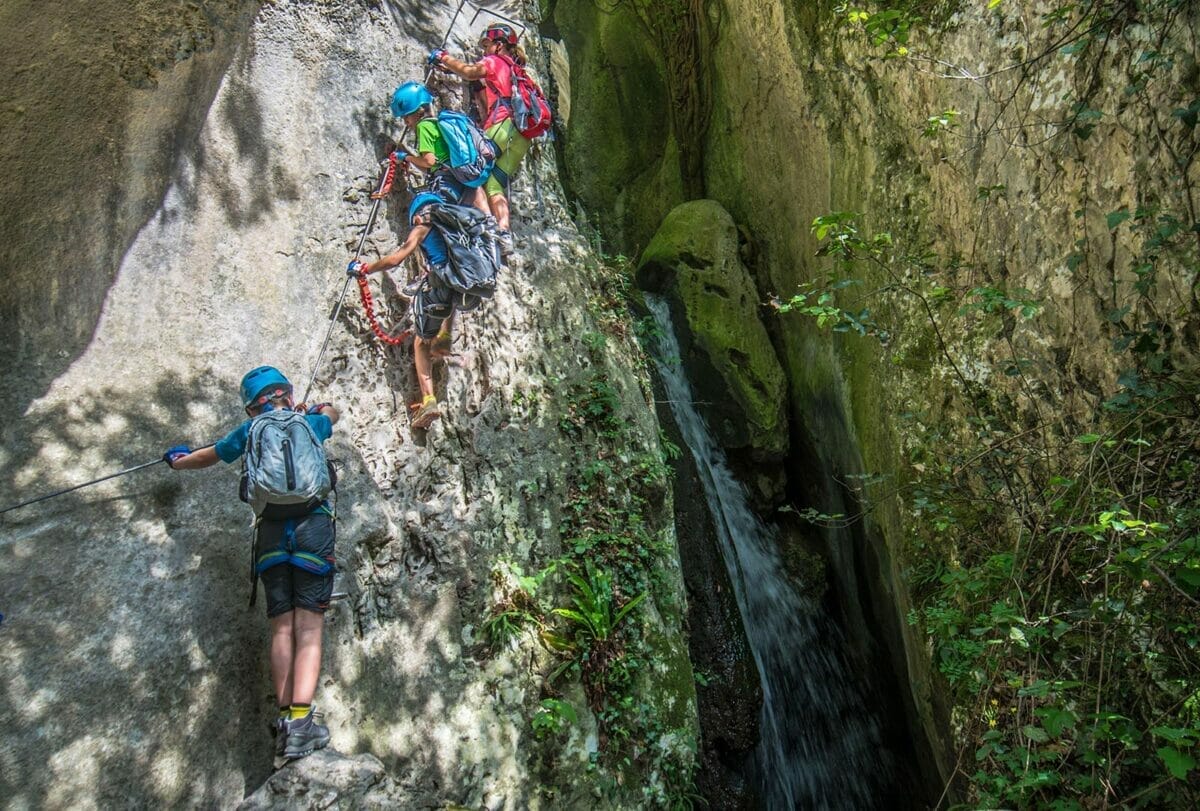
column 285, row 472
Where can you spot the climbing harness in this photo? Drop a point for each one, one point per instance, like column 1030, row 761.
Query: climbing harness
column 66, row 490
column 287, row 553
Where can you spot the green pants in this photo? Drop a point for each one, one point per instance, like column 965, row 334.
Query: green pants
column 513, row 146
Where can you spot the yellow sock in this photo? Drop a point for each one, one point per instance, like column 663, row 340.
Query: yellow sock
column 298, row 711
column 427, row 399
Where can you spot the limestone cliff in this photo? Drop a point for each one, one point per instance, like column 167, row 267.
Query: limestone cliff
column 134, row 675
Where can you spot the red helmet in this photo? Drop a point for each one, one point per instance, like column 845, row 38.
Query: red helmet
column 500, row 31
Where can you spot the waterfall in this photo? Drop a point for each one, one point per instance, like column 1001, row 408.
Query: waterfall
column 821, row 743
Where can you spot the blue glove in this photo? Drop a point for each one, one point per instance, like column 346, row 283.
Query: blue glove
column 316, row 409
column 356, row 268
column 436, row 56
column 174, row 453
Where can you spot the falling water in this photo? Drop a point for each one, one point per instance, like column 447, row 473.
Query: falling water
column 821, row 746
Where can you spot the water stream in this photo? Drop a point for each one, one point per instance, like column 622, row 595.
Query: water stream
column 821, row 744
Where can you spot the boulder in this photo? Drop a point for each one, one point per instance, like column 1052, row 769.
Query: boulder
column 693, row 260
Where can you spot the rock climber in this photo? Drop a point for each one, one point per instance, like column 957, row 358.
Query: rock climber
column 412, row 103
column 433, row 304
column 494, row 70
column 293, row 555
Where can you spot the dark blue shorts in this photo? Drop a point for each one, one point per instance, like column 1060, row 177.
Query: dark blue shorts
column 287, row 586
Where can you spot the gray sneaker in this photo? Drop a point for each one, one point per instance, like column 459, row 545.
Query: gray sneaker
column 304, row 736
column 280, row 730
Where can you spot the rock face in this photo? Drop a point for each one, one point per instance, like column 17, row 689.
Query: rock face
column 694, row 260
column 134, row 674
column 327, row 779
column 808, row 118
column 99, row 105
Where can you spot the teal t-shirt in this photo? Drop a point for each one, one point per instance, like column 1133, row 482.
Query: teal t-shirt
column 231, row 446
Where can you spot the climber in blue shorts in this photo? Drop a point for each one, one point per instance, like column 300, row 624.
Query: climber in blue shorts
column 433, row 304
column 293, row 554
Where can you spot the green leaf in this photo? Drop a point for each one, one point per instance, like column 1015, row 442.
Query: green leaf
column 1117, row 217
column 1174, row 734
column 1177, row 763
column 1087, row 439
column 559, row 707
column 1035, row 734
column 1056, row 719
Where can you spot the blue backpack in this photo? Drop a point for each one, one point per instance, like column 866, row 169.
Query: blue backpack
column 471, row 152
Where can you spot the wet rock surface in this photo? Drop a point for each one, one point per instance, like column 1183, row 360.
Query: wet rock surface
column 694, row 261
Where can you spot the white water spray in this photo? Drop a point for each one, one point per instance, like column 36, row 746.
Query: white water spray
column 820, row 745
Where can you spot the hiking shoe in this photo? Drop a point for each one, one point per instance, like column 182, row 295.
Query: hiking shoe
column 426, row 413
column 505, row 240
column 304, row 736
column 280, row 730
column 411, row 289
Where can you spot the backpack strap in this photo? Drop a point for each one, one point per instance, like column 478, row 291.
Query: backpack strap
column 253, row 568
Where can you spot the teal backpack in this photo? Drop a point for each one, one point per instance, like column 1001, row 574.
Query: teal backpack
column 285, row 472
column 471, row 152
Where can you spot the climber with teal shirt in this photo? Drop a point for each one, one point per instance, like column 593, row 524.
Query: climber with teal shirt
column 294, row 541
column 412, row 103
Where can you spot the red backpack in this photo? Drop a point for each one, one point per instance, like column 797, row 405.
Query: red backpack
column 530, row 111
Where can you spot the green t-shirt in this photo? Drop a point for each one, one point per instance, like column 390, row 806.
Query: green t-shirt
column 429, row 139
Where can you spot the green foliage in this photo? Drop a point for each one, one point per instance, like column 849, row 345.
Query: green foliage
column 1057, row 562
column 552, row 717
column 612, row 565
column 596, row 616
column 941, row 122
column 593, row 404
column 515, row 608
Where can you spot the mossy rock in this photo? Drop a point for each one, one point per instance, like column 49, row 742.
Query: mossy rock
column 619, row 156
column 693, row 261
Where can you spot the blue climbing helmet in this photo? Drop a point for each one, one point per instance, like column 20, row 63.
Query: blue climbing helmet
column 258, row 380
column 408, row 98
column 420, row 201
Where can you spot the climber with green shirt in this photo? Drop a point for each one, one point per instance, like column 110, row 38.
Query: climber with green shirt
column 412, row 103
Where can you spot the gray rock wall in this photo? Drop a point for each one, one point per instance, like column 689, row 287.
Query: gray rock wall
column 134, row 675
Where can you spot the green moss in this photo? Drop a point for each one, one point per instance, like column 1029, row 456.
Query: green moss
column 618, row 153
column 694, row 256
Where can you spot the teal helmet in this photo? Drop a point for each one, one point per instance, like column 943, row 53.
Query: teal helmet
column 420, row 201
column 408, row 98
column 256, row 381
